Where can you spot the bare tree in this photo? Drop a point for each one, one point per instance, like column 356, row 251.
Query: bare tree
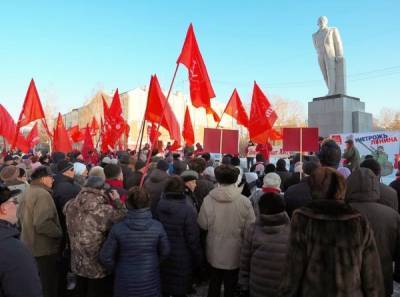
column 290, row 112
column 388, row 119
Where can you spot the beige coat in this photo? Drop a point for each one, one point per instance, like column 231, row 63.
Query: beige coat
column 41, row 230
column 226, row 214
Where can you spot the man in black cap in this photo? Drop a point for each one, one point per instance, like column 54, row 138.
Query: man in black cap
column 41, row 230
column 18, row 273
column 64, row 186
column 351, row 156
column 64, row 189
column 124, row 159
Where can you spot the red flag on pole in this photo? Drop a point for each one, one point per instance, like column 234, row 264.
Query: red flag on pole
column 8, row 128
column 157, row 105
column 262, row 116
column 61, row 142
column 236, row 110
column 188, row 133
column 94, row 126
column 116, row 107
column 106, row 110
column 87, row 144
column 116, row 122
column 31, row 110
column 201, row 90
column 33, row 136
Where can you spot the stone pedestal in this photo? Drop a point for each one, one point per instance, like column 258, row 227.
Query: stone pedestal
column 338, row 114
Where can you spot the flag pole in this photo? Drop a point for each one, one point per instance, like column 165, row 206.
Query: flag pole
column 140, row 136
column 301, row 152
column 220, row 119
column 158, row 126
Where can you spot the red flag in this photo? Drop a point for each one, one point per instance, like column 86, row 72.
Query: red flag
column 106, row 110
column 262, row 116
column 115, row 107
column 188, row 133
column 236, row 110
column 274, row 135
column 201, row 90
column 115, row 123
column 33, row 136
column 76, row 134
column 8, row 128
column 32, row 108
column 87, row 144
column 61, row 142
column 215, row 115
column 94, row 126
column 157, row 105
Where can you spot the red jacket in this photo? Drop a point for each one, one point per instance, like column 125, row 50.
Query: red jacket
column 264, row 149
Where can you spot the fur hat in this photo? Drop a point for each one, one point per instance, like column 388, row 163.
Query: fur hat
column 41, row 171
column 97, row 171
column 189, row 175
column 6, row 193
column 9, row 173
column 94, row 182
column 272, row 180
column 64, row 166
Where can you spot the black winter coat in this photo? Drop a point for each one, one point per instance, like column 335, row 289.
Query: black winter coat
column 64, row 189
column 203, row 188
column 396, row 185
column 133, row 180
column 180, row 222
column 363, row 194
column 297, row 196
column 133, row 251
column 19, row 276
column 154, row 185
column 263, row 252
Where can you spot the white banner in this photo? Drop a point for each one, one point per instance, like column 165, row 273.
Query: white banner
column 384, row 146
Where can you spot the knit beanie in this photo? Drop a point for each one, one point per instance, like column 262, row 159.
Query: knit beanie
column 271, row 203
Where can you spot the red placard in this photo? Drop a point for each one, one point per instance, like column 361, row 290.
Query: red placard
column 291, row 139
column 223, row 141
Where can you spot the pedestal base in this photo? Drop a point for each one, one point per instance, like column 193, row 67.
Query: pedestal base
column 338, row 114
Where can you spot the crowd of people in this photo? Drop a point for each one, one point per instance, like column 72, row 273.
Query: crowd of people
column 112, row 226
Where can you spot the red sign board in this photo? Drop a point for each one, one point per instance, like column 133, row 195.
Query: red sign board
column 222, row 141
column 293, row 137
